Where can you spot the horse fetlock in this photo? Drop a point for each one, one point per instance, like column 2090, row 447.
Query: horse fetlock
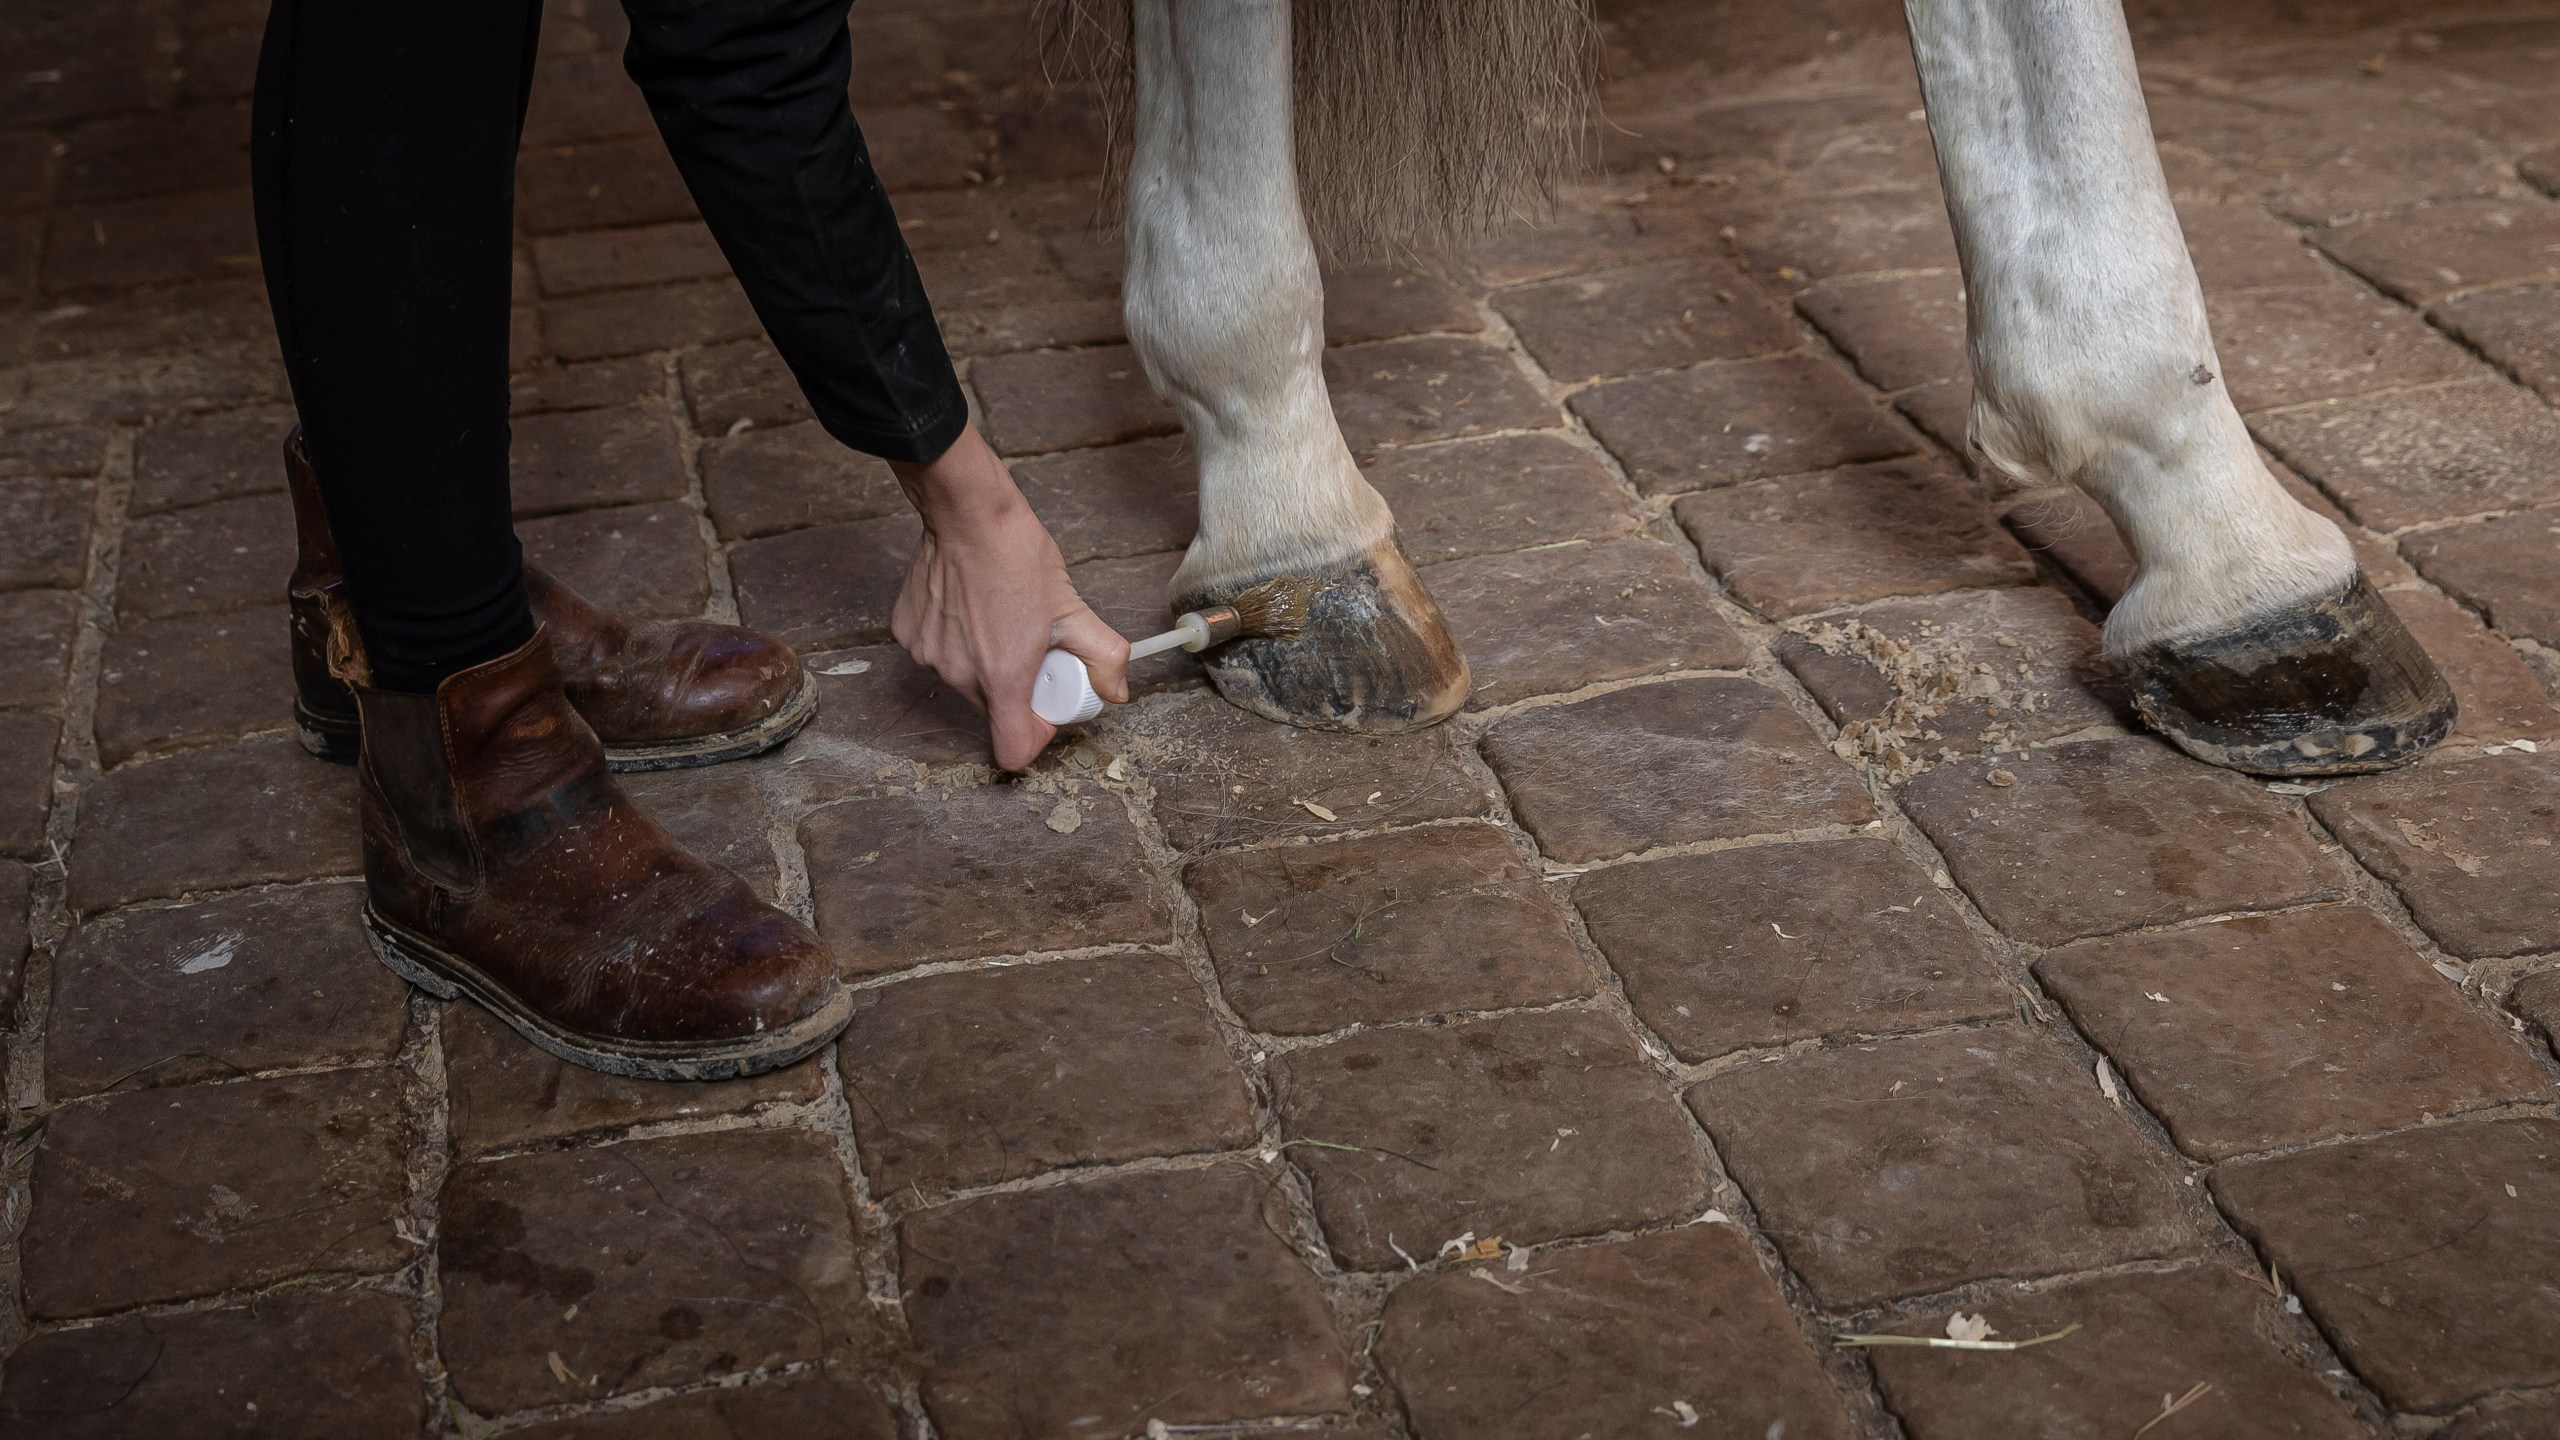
column 1375, row 655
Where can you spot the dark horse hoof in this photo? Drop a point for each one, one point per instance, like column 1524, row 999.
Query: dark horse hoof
column 2334, row 686
column 1375, row 655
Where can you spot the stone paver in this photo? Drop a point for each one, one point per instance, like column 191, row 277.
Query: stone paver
column 172, row 995
column 741, row 386
column 2099, row 836
column 1898, row 332
column 1531, row 1128
column 1162, row 1295
column 2302, row 343
column 27, row 743
column 1912, row 1166
column 2472, row 846
column 196, row 459
column 903, row 880
column 192, row 680
column 1669, row 764
column 1561, row 617
column 1778, row 943
column 2422, row 255
column 165, row 1195
column 1647, row 317
column 1313, row 938
column 287, row 1368
column 766, row 481
column 2425, row 1256
column 2394, row 460
column 578, row 459
column 798, row 1405
column 37, row 630
column 653, row 1262
column 2515, row 329
column 2142, row 1336
column 1601, row 1340
column 1220, row 777
column 1122, row 500
column 44, row 530
column 1067, row 399
column 1433, row 388
column 1380, row 301
column 1503, row 492
column 1786, row 547
column 2274, row 1029
column 828, row 585
column 17, row 887
column 505, row 1093
column 207, row 557
column 879, row 715
column 972, row 1078
column 1996, row 668
column 1716, row 424
column 2496, row 567
column 241, row 814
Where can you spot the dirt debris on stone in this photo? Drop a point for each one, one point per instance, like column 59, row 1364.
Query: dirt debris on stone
column 1929, row 674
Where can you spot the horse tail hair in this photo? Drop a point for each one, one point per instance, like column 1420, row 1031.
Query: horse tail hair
column 1420, row 124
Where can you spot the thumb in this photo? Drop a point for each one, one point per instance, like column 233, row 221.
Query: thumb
column 1104, row 651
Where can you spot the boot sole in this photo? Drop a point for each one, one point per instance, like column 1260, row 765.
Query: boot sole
column 339, row 741
column 449, row 977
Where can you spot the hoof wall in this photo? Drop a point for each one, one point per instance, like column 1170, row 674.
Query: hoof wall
column 1375, row 655
column 2335, row 686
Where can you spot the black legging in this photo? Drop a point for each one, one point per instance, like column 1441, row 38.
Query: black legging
column 384, row 157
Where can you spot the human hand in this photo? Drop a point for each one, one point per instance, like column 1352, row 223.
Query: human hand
column 987, row 597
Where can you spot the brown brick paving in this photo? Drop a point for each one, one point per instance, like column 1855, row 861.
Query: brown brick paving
column 1599, row 1341
column 2162, row 1333
column 1705, row 419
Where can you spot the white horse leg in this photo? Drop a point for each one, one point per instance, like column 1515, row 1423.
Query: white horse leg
column 2247, row 635
column 1227, row 314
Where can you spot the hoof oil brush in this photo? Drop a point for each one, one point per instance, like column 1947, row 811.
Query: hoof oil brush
column 1277, row 609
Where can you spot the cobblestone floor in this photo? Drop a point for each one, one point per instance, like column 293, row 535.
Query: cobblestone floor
column 1793, row 939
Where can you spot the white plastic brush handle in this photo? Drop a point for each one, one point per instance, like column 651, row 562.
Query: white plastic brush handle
column 1063, row 693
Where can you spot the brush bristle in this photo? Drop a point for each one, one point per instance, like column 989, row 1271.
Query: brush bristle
column 1275, row 608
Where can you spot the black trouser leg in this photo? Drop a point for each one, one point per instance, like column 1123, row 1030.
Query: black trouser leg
column 384, row 163
column 750, row 95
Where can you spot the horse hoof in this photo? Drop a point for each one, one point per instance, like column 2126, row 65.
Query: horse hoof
column 2334, row 686
column 1375, row 655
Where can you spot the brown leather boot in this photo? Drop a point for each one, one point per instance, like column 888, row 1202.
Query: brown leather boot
column 661, row 695
column 502, row 861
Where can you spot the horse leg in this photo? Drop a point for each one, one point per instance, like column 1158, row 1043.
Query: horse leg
column 2248, row 636
column 1227, row 315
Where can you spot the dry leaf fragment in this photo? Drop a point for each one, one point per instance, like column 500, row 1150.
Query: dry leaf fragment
column 560, row 1369
column 2107, row 1082
column 2511, row 1192
column 1467, row 1249
column 1315, row 809
column 1508, row 1287
column 2002, row 778
column 2155, row 995
column 1066, row 819
column 1519, row 1261
column 1118, row 769
column 1961, row 1326
column 1680, row 1410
